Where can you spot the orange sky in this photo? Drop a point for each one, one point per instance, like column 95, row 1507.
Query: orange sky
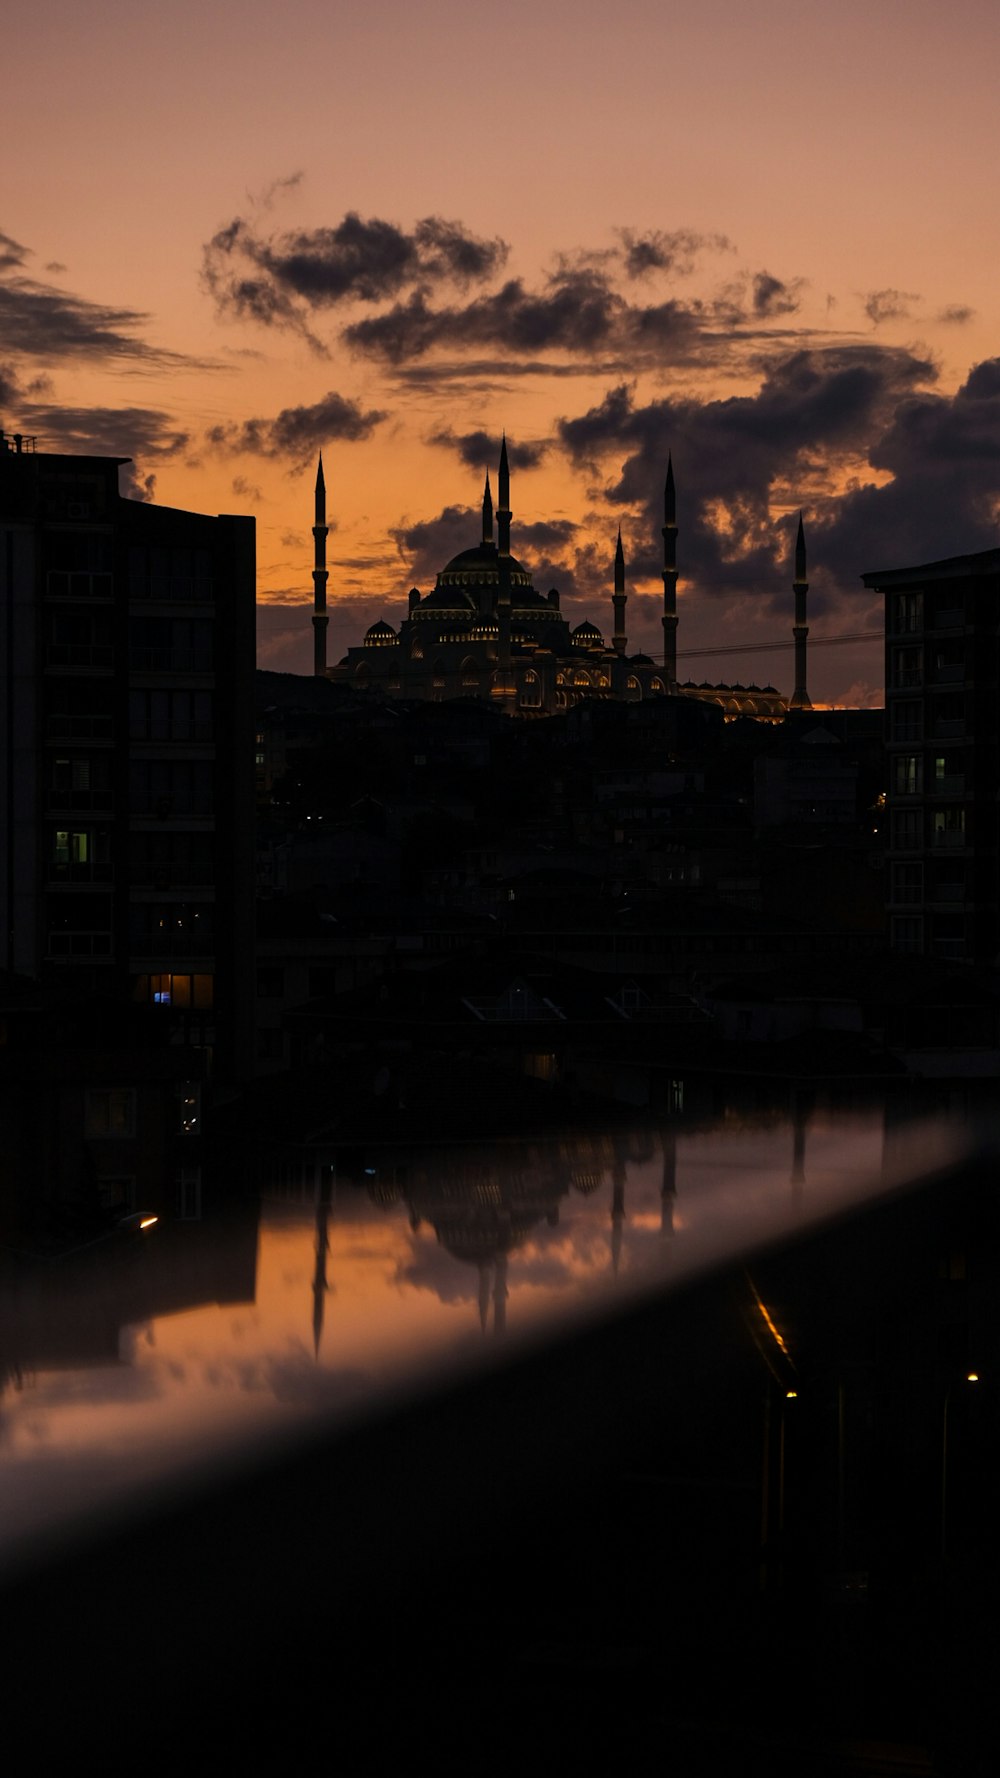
column 762, row 239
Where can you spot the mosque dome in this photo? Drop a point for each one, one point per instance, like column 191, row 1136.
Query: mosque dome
column 380, row 634
column 587, row 635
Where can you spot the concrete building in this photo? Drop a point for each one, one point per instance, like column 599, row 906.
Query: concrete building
column 942, row 650
column 126, row 711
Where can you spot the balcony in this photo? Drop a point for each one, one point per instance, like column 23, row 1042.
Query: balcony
column 80, row 728
column 80, row 654
column 95, row 800
column 948, row 837
column 146, row 950
column 173, row 876
column 94, row 871
column 63, row 583
column 75, row 946
column 952, row 619
column 952, row 784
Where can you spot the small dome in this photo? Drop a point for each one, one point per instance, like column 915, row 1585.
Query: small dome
column 380, row 634
column 587, row 635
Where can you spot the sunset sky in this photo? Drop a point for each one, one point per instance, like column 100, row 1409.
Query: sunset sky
column 763, row 238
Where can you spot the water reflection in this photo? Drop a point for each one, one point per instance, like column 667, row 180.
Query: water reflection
column 125, row 1364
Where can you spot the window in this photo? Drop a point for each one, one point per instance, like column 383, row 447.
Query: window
column 116, row 1191
column 110, row 1111
column 948, row 827
column 188, row 1183
column 907, row 830
column 171, row 644
column 907, row 667
column 172, row 929
column 906, row 613
column 168, row 788
column 170, row 989
column 908, row 883
column 907, row 933
column 907, row 719
column 907, row 774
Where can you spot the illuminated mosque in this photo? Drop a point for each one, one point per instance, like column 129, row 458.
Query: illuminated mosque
column 485, row 632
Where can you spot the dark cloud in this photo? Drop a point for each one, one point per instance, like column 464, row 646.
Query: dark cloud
column 39, row 321
column 955, row 314
column 12, row 254
column 773, row 296
column 577, row 312
column 426, row 545
column 656, row 250
column 297, row 432
column 141, row 433
column 281, row 279
column 737, row 458
column 943, row 498
column 247, row 490
column 889, row 305
column 489, row 375
column 481, row 450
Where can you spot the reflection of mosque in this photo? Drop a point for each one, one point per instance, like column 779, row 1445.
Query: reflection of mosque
column 484, row 1206
column 484, row 1210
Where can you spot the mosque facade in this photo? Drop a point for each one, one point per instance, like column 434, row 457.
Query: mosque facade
column 485, row 632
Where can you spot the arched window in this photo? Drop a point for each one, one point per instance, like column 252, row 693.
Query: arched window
column 658, row 688
column 633, row 690
column 531, row 690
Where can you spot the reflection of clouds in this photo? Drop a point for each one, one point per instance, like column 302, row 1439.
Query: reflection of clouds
column 436, row 1270
column 94, row 1387
column 404, row 1303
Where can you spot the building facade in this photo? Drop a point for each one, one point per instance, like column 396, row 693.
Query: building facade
column 942, row 649
column 126, row 709
column 484, row 631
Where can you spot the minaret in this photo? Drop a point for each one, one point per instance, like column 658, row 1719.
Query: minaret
column 800, row 629
column 618, row 599
column 503, row 510
column 320, row 619
column 504, row 690
column 487, row 511
column 670, row 577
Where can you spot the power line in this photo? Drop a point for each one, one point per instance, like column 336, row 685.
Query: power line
column 767, row 647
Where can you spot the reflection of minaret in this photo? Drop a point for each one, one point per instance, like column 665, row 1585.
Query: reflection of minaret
column 670, row 576
column 319, row 1284
column 668, row 1190
column 320, row 618
column 798, row 1178
column 484, row 1294
column 618, row 600
column 617, row 1212
column 800, row 629
column 500, row 1294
